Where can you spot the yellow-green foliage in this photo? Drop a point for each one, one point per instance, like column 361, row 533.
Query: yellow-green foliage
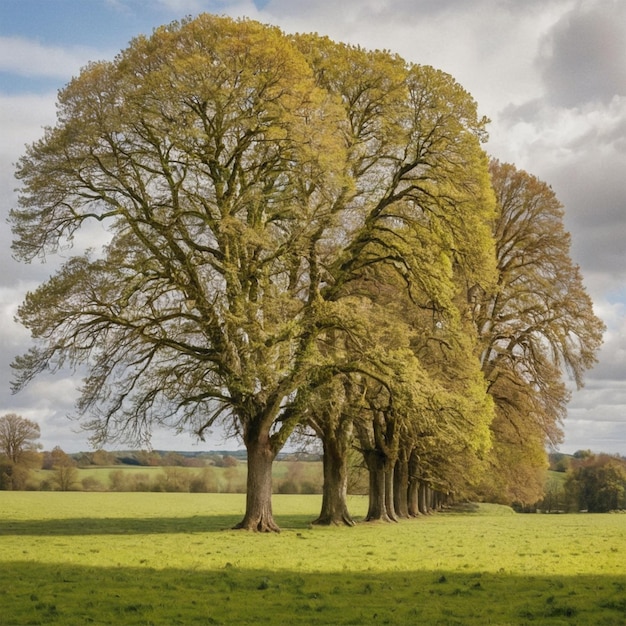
column 143, row 558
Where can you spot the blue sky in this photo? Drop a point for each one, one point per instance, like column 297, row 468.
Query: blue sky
column 550, row 74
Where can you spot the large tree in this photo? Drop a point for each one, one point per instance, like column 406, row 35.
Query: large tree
column 210, row 152
column 416, row 219
column 536, row 326
column 252, row 183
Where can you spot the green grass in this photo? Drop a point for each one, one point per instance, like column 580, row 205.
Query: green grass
column 144, row 558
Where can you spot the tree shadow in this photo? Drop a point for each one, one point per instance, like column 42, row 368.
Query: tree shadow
column 132, row 525
column 36, row 593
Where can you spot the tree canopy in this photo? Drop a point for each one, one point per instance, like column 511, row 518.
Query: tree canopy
column 297, row 227
column 536, row 326
column 596, row 483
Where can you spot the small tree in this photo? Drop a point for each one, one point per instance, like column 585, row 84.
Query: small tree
column 174, row 479
column 204, row 481
column 118, row 481
column 554, row 498
column 65, row 474
column 18, row 437
column 18, row 450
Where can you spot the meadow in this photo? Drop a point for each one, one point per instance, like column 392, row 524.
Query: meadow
column 77, row 558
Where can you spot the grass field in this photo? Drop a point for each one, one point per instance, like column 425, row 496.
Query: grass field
column 160, row 558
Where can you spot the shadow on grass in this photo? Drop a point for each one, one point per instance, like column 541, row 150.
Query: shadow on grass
column 35, row 593
column 131, row 525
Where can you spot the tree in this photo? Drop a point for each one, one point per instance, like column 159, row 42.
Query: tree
column 65, row 474
column 554, row 497
column 596, row 483
column 249, row 192
column 18, row 446
column 210, row 152
column 330, row 416
column 418, row 212
column 536, row 326
column 18, row 437
column 390, row 410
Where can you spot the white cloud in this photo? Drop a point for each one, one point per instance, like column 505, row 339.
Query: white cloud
column 21, row 120
column 12, row 334
column 181, row 8
column 597, row 413
column 611, row 366
column 489, row 46
column 584, row 430
column 26, row 57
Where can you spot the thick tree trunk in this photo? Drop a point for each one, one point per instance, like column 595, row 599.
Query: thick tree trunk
column 334, row 506
column 389, row 491
column 258, row 516
column 375, row 462
column 401, row 486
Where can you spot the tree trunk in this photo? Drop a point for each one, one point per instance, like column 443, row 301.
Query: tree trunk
column 335, row 462
column 389, row 491
column 258, row 516
column 375, row 462
column 423, row 498
column 435, row 500
column 414, row 484
column 401, row 485
column 413, row 499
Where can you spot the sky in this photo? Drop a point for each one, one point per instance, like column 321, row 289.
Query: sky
column 550, row 74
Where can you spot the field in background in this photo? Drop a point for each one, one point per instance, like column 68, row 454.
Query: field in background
column 170, row 558
column 292, row 477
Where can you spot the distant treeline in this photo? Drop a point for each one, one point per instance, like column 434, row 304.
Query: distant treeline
column 152, row 458
column 169, row 458
column 202, row 473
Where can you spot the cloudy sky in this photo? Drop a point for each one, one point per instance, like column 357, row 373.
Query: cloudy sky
column 550, row 74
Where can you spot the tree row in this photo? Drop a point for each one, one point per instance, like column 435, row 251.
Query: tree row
column 303, row 234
